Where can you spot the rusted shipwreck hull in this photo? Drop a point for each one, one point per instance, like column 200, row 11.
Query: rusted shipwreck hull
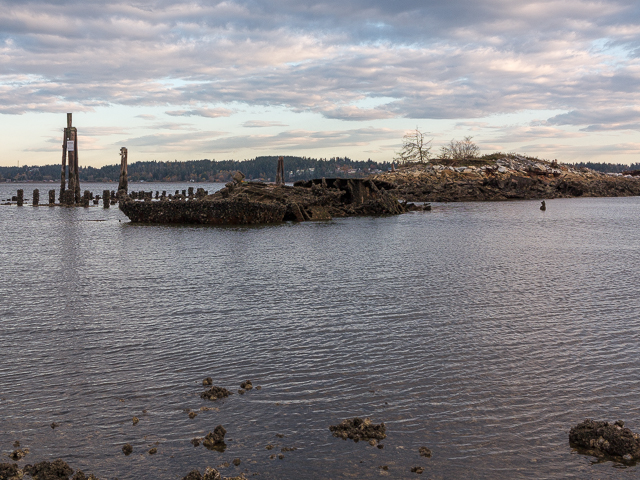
column 243, row 203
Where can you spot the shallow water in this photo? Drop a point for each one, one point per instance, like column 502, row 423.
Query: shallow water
column 483, row 331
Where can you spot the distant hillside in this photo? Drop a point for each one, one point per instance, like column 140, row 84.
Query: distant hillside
column 260, row 168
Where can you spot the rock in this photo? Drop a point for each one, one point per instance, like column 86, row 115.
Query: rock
column 196, row 442
column 241, row 391
column 236, row 461
column 424, row 452
column 288, row 449
column 18, row 454
column 246, row 385
column 207, row 381
column 258, row 387
column 269, row 447
column 192, row 415
column 214, row 393
column 373, row 442
column 418, row 470
column 54, row 425
column 127, row 449
column 238, row 177
column 56, row 470
column 135, row 420
column 10, row 471
column 280, row 456
column 16, row 444
column 209, row 474
column 605, row 439
column 215, row 440
column 358, row 429
column 153, row 451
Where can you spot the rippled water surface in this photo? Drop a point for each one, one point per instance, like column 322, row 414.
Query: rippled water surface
column 483, row 331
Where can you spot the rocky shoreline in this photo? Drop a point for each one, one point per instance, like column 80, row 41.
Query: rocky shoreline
column 505, row 178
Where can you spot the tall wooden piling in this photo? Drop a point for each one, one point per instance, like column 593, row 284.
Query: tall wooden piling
column 280, row 171
column 52, row 198
column 106, row 199
column 20, row 198
column 36, row 197
column 70, row 152
column 123, row 184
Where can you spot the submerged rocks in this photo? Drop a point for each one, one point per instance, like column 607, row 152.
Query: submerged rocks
column 247, row 385
column 209, row 474
column 358, row 429
column 215, row 440
column 10, row 471
column 424, row 452
column 127, row 449
column 606, row 439
column 214, row 393
column 57, row 470
column 18, row 454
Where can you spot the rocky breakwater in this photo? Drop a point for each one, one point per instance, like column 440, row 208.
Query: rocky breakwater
column 253, row 203
column 503, row 178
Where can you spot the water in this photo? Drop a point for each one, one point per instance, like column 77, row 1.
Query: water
column 483, row 331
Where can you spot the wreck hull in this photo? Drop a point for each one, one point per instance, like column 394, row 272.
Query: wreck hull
column 208, row 212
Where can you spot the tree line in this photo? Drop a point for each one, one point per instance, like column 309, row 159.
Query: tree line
column 258, row 169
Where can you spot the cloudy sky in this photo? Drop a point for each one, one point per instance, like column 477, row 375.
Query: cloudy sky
column 235, row 79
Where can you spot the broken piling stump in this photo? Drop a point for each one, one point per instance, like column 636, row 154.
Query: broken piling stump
column 52, row 198
column 36, row 197
column 20, row 197
column 106, row 199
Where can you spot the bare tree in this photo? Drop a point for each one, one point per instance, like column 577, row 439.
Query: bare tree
column 414, row 148
column 460, row 149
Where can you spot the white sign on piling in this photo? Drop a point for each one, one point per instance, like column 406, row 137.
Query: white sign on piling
column 70, row 145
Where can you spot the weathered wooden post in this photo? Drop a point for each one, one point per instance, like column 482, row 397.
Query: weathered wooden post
column 86, row 198
column 190, row 193
column 20, row 198
column 70, row 149
column 123, row 184
column 52, row 198
column 36, row 197
column 280, row 171
column 106, row 199
column 64, row 164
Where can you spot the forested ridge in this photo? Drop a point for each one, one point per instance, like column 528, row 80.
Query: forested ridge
column 259, row 168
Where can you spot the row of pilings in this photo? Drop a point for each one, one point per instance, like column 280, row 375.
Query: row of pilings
column 68, row 198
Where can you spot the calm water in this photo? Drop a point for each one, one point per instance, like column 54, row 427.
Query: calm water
column 483, row 331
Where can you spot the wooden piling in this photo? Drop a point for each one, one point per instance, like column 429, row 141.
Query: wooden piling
column 20, row 197
column 86, row 198
column 123, row 184
column 64, row 164
column 52, row 198
column 106, row 199
column 36, row 197
column 280, row 171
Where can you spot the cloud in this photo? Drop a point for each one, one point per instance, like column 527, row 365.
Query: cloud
column 202, row 112
column 262, row 124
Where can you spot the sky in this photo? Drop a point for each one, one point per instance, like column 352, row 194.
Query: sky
column 237, row 79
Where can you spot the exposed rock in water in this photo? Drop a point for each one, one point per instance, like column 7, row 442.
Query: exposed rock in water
column 418, row 470
column 247, row 385
column 358, row 429
column 207, row 381
column 424, row 452
column 10, row 471
column 135, row 420
column 196, row 441
column 209, row 474
column 127, row 449
column 511, row 177
column 57, row 470
column 604, row 439
column 214, row 393
column 18, row 454
column 215, row 440
column 253, row 203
